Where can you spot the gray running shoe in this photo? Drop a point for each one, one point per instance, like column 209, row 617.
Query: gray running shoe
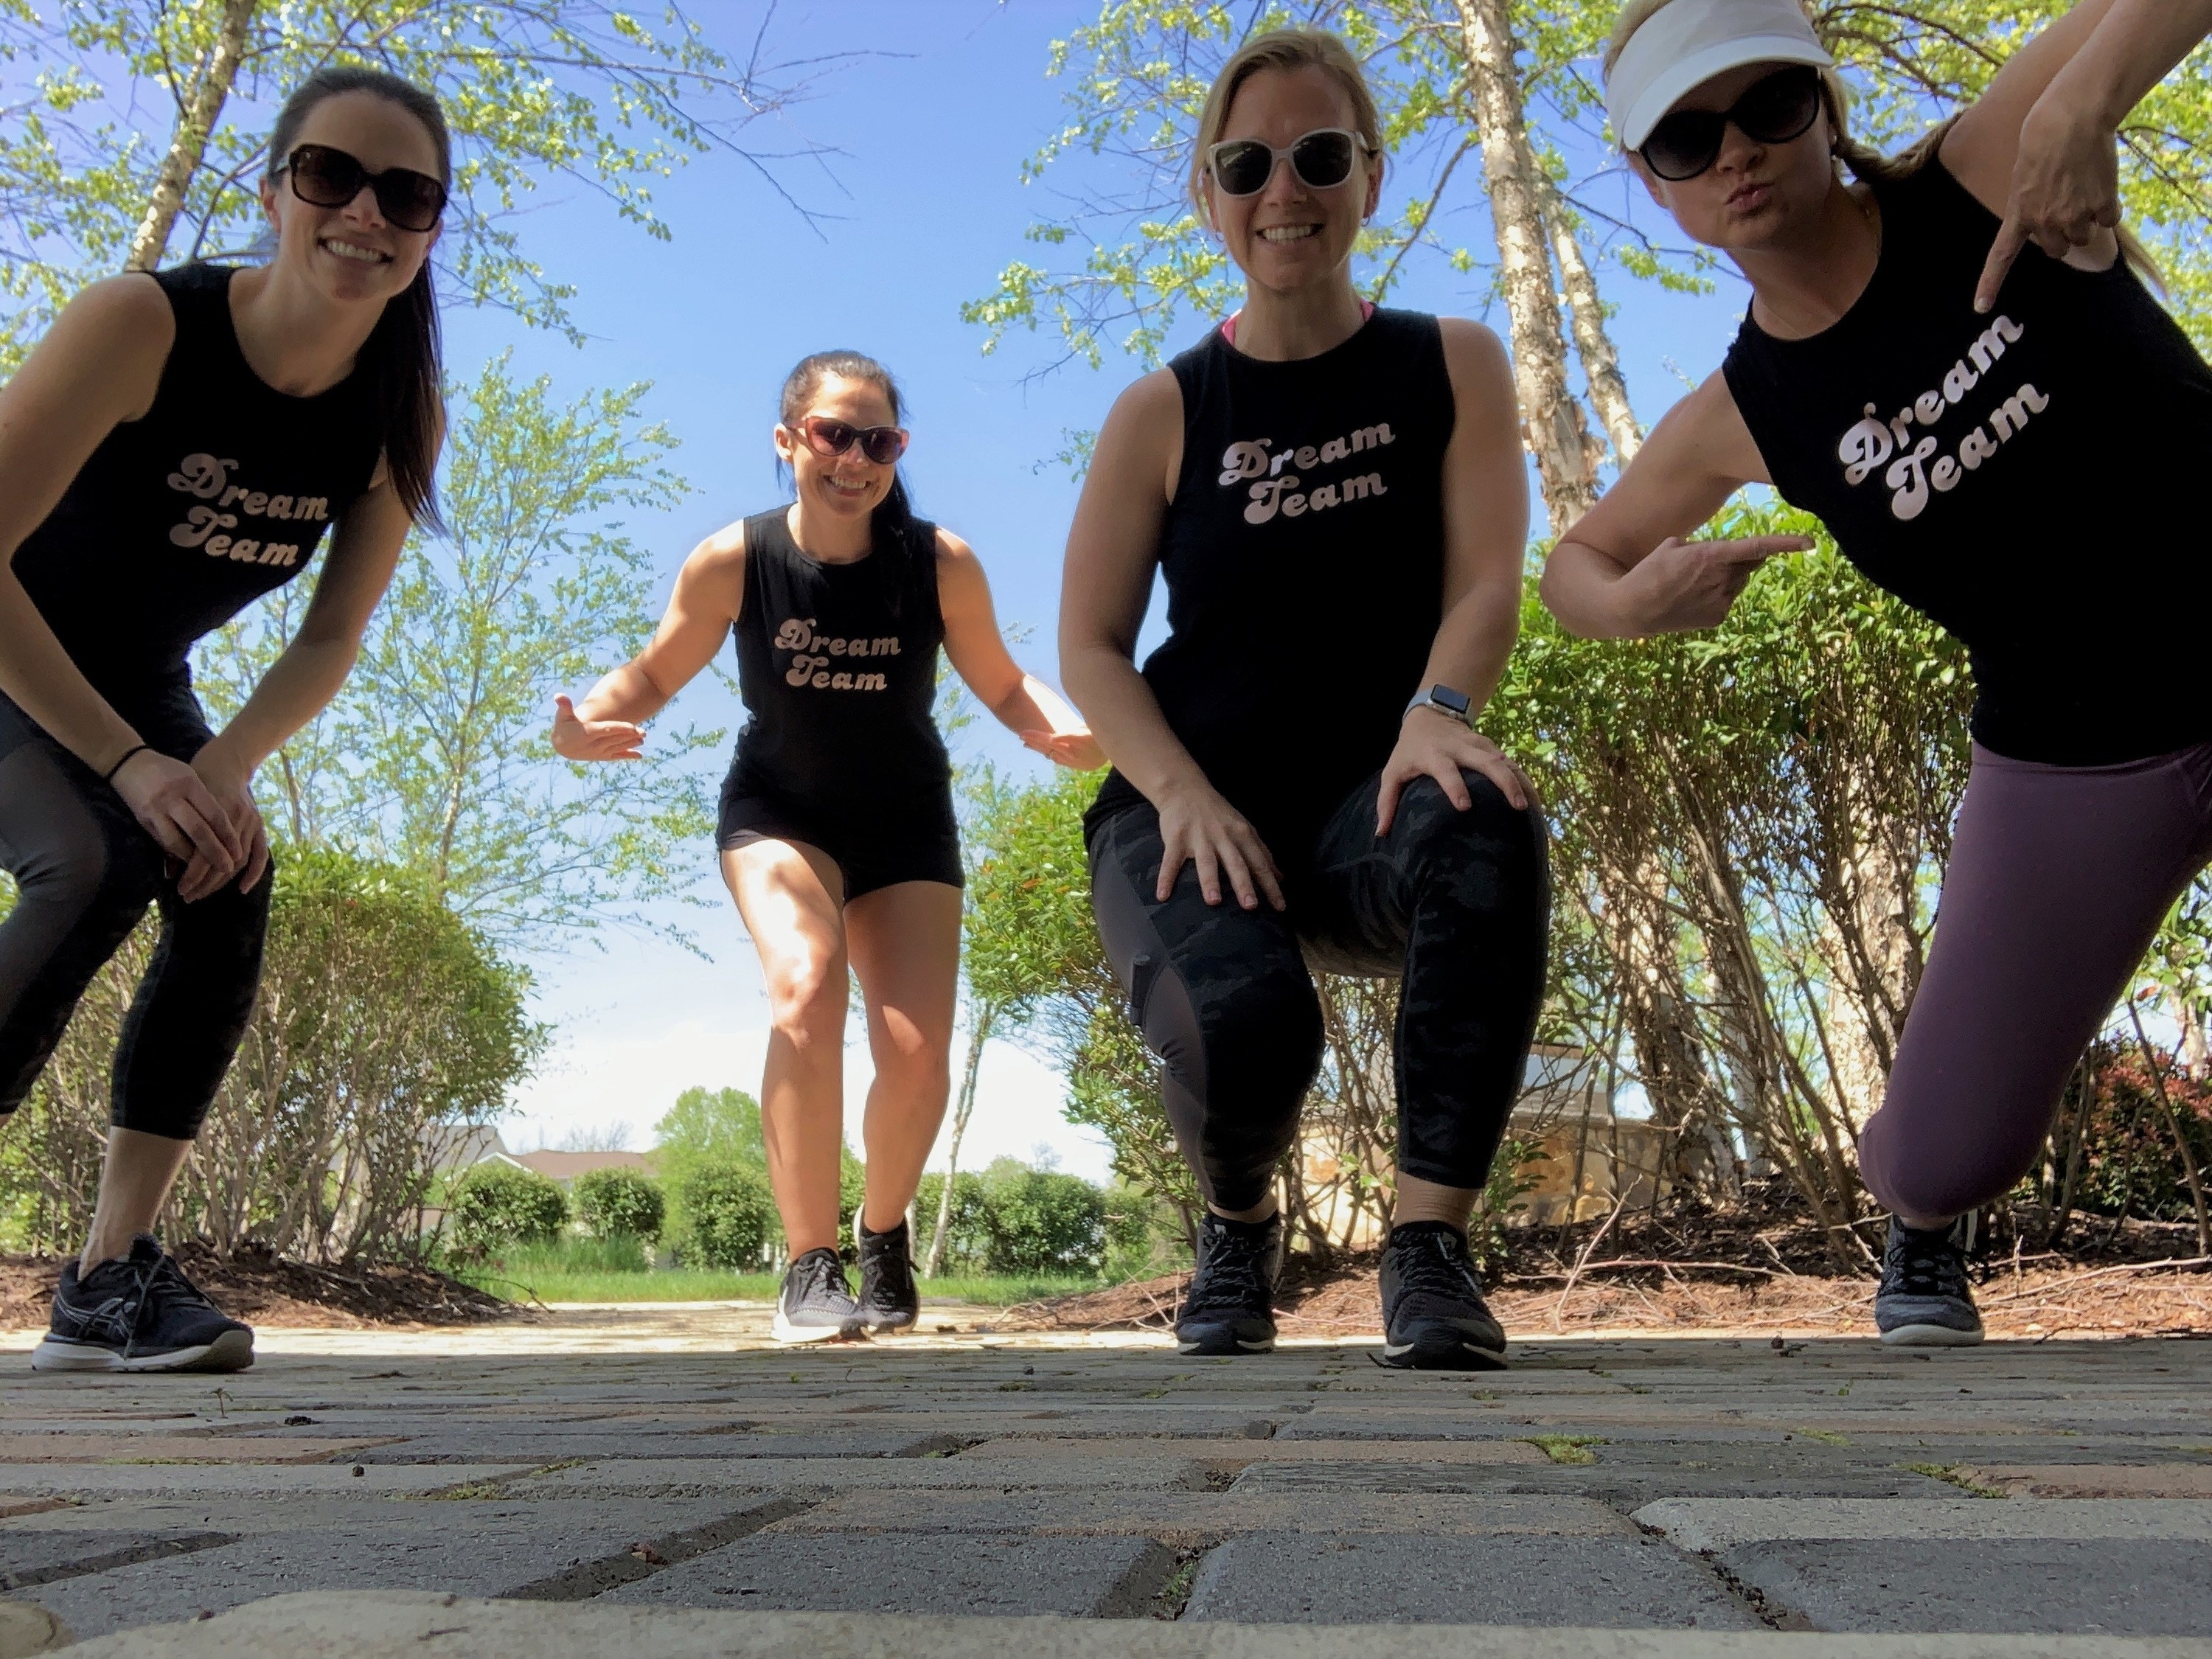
column 889, row 1298
column 1925, row 1300
column 1230, row 1306
column 139, row 1313
column 1434, row 1317
column 815, row 1304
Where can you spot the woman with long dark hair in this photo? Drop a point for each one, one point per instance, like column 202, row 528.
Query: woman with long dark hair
column 836, row 831
column 177, row 445
column 1994, row 435
column 1335, row 498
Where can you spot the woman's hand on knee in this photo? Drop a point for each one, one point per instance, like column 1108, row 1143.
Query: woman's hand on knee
column 173, row 804
column 230, row 782
column 1431, row 744
column 1200, row 827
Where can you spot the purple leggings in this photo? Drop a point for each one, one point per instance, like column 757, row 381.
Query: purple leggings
column 2058, row 880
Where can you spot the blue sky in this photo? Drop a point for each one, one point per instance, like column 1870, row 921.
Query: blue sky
column 928, row 207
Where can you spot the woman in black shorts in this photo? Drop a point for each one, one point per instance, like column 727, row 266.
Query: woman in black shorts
column 1335, row 496
column 176, row 446
column 837, row 834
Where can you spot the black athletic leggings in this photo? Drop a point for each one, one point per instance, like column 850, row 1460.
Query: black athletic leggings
column 85, row 872
column 1457, row 904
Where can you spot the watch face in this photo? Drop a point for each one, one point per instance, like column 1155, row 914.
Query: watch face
column 1446, row 697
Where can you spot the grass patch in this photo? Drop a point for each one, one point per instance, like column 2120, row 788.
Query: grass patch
column 1566, row 1447
column 1827, row 1436
column 1949, row 1474
column 567, row 1275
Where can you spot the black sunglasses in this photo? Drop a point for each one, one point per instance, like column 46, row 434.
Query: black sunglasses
column 1777, row 109
column 830, row 439
column 1323, row 158
column 326, row 178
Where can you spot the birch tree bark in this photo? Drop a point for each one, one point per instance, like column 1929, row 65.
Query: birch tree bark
column 1550, row 417
column 1608, row 390
column 198, row 113
column 987, row 1017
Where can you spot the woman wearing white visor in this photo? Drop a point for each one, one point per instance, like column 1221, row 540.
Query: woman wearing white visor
column 1988, row 428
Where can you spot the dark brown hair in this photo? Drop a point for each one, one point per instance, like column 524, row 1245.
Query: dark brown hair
column 404, row 351
column 895, row 513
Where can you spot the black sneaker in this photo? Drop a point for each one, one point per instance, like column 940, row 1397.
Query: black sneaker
column 1925, row 1301
column 1230, row 1307
column 888, row 1300
column 139, row 1313
column 1434, row 1317
column 815, row 1303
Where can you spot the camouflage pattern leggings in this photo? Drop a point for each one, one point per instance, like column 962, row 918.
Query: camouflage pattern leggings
column 1455, row 904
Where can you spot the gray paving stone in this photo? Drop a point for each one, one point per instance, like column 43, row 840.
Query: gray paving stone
column 29, row 1558
column 917, row 1574
column 244, row 1480
column 479, row 1548
column 674, row 1475
column 521, row 1447
column 1725, row 1523
column 2136, row 1587
column 1191, row 1518
column 1291, row 1578
column 1615, row 1480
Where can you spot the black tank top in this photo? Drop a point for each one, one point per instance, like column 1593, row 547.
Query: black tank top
column 2029, row 479
column 1304, row 562
column 219, row 493
column 837, row 664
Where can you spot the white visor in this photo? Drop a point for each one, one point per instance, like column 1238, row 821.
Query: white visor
column 1684, row 44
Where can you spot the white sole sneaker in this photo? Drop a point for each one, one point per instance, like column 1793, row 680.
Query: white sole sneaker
column 1931, row 1336
column 786, row 1333
column 231, row 1351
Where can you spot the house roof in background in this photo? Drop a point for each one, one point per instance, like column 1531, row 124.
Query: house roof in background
column 566, row 1166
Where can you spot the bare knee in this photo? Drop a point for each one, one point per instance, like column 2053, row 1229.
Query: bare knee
column 807, row 998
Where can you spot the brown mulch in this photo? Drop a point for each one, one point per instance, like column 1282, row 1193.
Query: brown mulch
column 266, row 1289
column 1766, row 1270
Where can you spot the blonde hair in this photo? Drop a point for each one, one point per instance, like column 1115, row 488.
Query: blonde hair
column 1282, row 49
column 1867, row 164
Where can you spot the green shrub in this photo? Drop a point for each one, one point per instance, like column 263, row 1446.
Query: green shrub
column 496, row 1207
column 1042, row 1221
column 730, row 1217
column 620, row 1203
column 967, row 1230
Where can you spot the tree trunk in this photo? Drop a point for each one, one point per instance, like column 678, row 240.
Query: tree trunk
column 1608, row 391
column 1551, row 419
column 198, row 111
column 987, row 1015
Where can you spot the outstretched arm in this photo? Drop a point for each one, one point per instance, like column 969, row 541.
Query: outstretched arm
column 1623, row 572
column 1023, row 703
column 608, row 725
column 2041, row 146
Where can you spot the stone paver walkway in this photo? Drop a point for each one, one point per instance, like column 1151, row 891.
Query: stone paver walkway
column 1684, row 1486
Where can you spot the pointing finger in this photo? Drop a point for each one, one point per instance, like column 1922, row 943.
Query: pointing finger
column 2012, row 237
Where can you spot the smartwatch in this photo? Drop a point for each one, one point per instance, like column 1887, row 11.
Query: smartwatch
column 1445, row 701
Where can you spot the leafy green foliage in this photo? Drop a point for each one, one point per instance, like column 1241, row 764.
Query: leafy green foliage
column 435, row 755
column 620, row 1203
column 102, row 152
column 729, row 1217
column 496, row 1207
column 1014, row 1219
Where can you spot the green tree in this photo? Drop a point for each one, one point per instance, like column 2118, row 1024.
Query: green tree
column 139, row 125
column 729, row 1217
column 620, row 1203
column 497, row 1206
column 436, row 753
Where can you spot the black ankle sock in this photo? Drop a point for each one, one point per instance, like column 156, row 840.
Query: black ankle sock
column 1244, row 1229
column 1408, row 1230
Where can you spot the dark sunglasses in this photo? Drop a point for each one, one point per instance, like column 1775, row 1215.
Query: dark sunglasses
column 326, row 178
column 830, row 439
column 1323, row 158
column 1688, row 142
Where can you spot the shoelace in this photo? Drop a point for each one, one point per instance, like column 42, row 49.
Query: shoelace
column 894, row 1268
column 1229, row 1272
column 1937, row 1269
column 1436, row 1264
column 165, row 1285
column 819, row 1276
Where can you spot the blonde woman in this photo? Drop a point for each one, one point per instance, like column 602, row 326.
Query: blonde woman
column 1335, row 498
column 1985, row 429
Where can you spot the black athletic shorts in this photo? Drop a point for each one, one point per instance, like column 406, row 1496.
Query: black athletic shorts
column 872, row 848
